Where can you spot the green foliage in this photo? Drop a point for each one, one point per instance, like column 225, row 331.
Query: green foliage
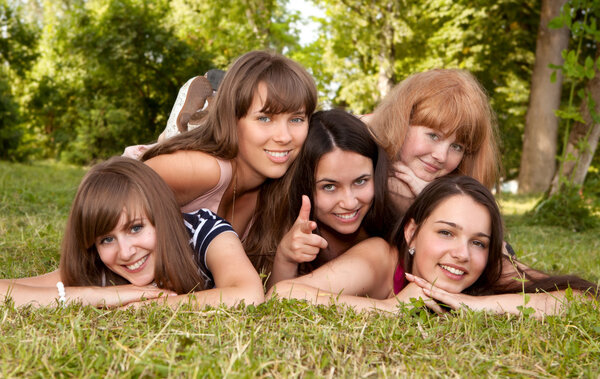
column 567, row 208
column 106, row 72
column 581, row 17
column 493, row 39
column 118, row 69
column 17, row 52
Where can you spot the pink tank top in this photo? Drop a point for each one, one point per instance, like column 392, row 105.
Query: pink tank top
column 212, row 198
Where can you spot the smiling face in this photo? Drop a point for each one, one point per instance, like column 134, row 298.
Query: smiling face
column 430, row 153
column 452, row 245
column 269, row 143
column 129, row 249
column 344, row 190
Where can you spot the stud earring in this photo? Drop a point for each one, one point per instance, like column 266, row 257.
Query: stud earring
column 411, row 251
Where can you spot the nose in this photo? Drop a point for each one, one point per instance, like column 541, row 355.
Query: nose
column 460, row 252
column 440, row 152
column 349, row 200
column 126, row 249
column 282, row 133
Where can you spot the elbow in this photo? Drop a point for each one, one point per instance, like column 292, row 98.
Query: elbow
column 253, row 293
column 255, row 297
column 281, row 289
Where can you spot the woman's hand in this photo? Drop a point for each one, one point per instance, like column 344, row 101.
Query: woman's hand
column 454, row 300
column 404, row 174
column 300, row 244
column 136, row 151
column 115, row 296
column 413, row 291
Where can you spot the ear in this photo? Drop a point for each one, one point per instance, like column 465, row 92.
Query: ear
column 409, row 231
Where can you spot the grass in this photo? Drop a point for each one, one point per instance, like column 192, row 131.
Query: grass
column 278, row 338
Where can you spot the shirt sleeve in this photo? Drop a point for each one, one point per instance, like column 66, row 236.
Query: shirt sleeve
column 204, row 226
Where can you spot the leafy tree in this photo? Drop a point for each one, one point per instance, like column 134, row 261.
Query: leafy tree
column 108, row 76
column 227, row 29
column 493, row 39
column 17, row 53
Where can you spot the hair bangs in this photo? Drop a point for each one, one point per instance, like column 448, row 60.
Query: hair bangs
column 450, row 113
column 286, row 92
column 105, row 202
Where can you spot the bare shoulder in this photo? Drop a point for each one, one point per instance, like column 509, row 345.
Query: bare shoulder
column 374, row 248
column 190, row 174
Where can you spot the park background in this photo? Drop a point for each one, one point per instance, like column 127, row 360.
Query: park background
column 82, row 79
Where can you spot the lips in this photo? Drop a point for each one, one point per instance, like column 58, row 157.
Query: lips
column 431, row 167
column 136, row 266
column 453, row 271
column 278, row 156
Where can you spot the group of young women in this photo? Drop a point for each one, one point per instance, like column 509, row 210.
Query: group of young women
column 328, row 208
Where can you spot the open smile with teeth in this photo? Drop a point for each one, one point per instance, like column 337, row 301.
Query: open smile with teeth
column 452, row 270
column 346, row 216
column 137, row 264
column 277, row 154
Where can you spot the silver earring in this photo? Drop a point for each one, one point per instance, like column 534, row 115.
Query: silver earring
column 411, row 251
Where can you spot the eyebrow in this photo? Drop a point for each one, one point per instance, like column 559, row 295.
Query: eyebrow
column 363, row 176
column 480, row 234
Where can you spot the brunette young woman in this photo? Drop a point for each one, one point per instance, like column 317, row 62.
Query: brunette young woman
column 252, row 133
column 126, row 240
column 434, row 123
column 450, row 241
column 336, row 189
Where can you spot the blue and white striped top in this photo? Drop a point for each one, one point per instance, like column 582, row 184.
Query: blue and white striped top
column 203, row 226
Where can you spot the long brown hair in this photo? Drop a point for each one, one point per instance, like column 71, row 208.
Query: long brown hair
column 328, row 130
column 491, row 280
column 450, row 101
column 289, row 88
column 106, row 190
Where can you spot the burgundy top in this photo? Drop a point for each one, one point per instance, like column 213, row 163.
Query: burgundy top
column 399, row 279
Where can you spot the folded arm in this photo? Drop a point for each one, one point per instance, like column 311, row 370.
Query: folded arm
column 236, row 280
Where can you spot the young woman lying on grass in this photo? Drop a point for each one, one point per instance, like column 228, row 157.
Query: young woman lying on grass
column 342, row 172
column 450, row 246
column 126, row 241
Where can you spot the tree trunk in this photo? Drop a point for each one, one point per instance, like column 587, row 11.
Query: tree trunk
column 538, row 161
column 386, row 57
column 576, row 168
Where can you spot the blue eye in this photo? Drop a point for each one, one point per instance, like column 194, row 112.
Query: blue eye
column 137, row 228
column 297, row 120
column 433, row 136
column 457, row 147
column 106, row 240
column 264, row 118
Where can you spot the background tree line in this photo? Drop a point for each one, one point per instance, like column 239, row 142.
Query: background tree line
column 81, row 79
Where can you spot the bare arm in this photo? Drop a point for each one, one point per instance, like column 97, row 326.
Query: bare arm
column 23, row 294
column 364, row 270
column 235, row 278
column 190, row 174
column 544, row 303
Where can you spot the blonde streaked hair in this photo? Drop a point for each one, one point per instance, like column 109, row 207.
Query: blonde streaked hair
column 450, row 101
